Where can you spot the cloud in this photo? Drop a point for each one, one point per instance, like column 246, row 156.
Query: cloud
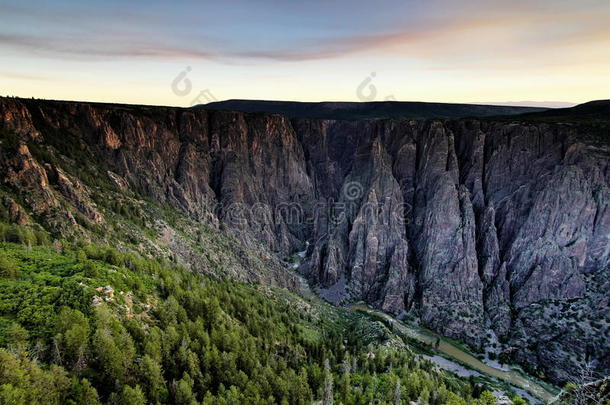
column 21, row 76
column 101, row 48
column 120, row 45
column 460, row 38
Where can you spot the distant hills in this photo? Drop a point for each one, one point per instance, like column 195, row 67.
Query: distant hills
column 540, row 104
column 593, row 111
column 369, row 110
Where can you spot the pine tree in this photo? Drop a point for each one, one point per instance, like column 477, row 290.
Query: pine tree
column 131, row 396
column 328, row 384
column 397, row 393
column 8, row 268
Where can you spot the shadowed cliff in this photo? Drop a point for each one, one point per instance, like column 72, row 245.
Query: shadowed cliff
column 489, row 230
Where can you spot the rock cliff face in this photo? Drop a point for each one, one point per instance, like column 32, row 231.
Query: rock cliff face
column 475, row 226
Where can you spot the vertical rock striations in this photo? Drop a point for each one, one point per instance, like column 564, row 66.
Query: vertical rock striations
column 474, row 225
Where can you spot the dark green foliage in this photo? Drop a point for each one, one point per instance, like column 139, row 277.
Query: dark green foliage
column 72, row 338
column 159, row 334
column 129, row 396
column 9, row 141
column 42, row 154
column 4, row 214
column 24, row 235
column 24, row 382
column 8, row 268
column 129, row 211
column 13, row 336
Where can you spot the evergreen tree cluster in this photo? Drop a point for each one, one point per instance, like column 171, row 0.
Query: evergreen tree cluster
column 84, row 324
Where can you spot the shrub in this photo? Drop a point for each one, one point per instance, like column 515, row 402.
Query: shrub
column 8, row 268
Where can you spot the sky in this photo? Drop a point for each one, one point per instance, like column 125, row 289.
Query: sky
column 191, row 52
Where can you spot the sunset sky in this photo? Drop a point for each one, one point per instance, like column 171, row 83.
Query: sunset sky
column 418, row 50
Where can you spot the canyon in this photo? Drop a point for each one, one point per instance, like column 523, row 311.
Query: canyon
column 492, row 231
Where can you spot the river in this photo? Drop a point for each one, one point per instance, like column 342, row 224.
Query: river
column 523, row 384
column 513, row 377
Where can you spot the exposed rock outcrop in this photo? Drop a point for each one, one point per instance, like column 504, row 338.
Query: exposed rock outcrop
column 16, row 212
column 470, row 224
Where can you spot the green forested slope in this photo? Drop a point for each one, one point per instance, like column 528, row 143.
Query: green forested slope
column 161, row 334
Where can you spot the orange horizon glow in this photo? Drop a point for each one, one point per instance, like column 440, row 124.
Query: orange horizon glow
column 438, row 51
